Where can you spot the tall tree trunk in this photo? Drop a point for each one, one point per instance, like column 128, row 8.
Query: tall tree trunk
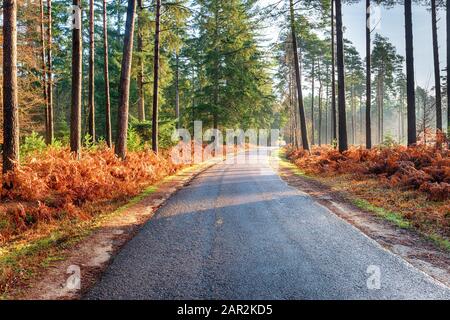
column 352, row 102
column 177, row 89
column 124, row 86
column 368, row 79
column 216, row 67
column 399, row 115
column 327, row 91
column 361, row 119
column 312, row 101
column 297, row 134
column 382, row 110
column 77, row 76
column 402, row 106
column 119, row 20
column 320, row 102
column 10, row 102
column 320, row 113
column 140, row 76
column 378, row 108
column 333, row 77
column 108, row 133
column 51, row 130
column 437, row 71
column 91, row 99
column 291, row 108
column 155, row 130
column 44, row 68
column 447, row 26
column 411, row 95
column 301, row 109
column 343, row 144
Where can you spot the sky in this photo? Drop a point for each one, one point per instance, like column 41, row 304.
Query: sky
column 391, row 25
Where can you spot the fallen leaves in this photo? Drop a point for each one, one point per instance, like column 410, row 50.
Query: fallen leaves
column 420, row 167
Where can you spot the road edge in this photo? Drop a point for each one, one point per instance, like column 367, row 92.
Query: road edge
column 84, row 263
column 408, row 245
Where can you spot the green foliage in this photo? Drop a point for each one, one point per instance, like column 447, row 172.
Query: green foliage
column 134, row 141
column 394, row 217
column 231, row 68
column 385, row 60
column 166, row 129
column 388, row 141
column 88, row 142
column 334, row 143
column 32, row 144
column 143, row 131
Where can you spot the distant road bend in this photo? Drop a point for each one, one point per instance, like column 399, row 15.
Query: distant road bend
column 239, row 232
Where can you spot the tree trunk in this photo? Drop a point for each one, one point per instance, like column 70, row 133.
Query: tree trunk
column 368, row 79
column 177, row 89
column 155, row 130
column 124, row 86
column 382, row 110
column 301, row 110
column 447, row 25
column 378, row 109
column 140, row 76
column 44, row 69
column 320, row 103
column 361, row 119
column 333, row 77
column 411, row 96
column 437, row 71
column 312, row 102
column 10, row 102
column 51, row 130
column 352, row 102
column 108, row 132
column 119, row 20
column 216, row 66
column 327, row 91
column 343, row 144
column 320, row 114
column 91, row 99
column 77, row 75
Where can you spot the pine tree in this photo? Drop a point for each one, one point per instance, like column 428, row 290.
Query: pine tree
column 75, row 115
column 124, row 89
column 10, row 103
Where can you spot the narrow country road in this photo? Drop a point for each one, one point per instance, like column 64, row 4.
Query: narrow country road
column 239, row 232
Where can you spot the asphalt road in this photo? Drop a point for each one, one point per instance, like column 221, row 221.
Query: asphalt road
column 239, row 232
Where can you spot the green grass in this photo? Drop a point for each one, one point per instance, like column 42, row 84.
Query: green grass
column 286, row 163
column 440, row 241
column 394, row 217
column 148, row 191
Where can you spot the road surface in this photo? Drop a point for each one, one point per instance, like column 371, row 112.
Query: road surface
column 239, row 232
